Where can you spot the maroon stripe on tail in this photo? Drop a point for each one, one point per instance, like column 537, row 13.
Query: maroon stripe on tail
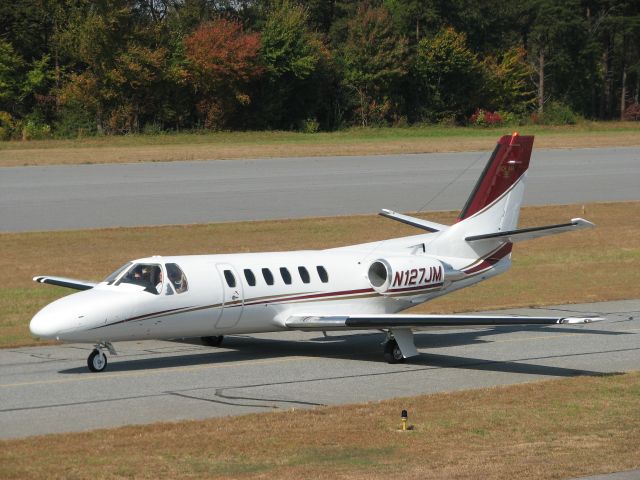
column 508, row 162
column 492, row 259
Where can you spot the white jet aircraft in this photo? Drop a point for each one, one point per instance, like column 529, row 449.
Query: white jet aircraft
column 355, row 287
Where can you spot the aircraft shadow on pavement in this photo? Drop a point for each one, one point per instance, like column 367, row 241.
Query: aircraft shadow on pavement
column 475, row 336
column 362, row 347
column 472, row 337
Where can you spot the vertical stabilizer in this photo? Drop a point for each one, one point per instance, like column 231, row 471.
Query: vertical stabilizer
column 507, row 164
column 494, row 203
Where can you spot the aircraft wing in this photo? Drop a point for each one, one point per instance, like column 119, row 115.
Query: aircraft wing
column 390, row 321
column 65, row 282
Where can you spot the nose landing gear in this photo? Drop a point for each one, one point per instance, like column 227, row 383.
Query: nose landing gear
column 212, row 341
column 97, row 360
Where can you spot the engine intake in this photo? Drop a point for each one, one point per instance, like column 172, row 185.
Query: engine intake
column 390, row 276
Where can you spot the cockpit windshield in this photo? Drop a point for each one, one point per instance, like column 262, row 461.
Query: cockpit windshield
column 112, row 278
column 147, row 275
column 177, row 277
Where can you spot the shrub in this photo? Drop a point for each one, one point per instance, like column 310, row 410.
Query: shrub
column 35, row 129
column 557, row 113
column 123, row 120
column 74, row 121
column 632, row 112
column 7, row 126
column 509, row 118
column 152, row 128
column 485, row 118
column 310, row 125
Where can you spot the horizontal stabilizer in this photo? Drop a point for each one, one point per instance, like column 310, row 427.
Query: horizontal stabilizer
column 383, row 321
column 413, row 221
column 65, row 282
column 519, row 235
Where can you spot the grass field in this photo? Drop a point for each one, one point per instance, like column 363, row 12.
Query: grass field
column 591, row 265
column 544, row 430
column 355, row 141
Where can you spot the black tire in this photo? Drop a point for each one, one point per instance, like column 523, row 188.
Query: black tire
column 392, row 352
column 97, row 361
column 214, row 341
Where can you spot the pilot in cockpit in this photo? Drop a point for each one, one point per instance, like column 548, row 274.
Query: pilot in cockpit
column 159, row 284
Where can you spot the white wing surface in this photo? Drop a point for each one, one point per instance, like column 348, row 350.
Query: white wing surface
column 390, row 321
column 65, row 282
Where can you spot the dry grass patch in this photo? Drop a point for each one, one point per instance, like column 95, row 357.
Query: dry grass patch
column 591, row 265
column 371, row 141
column 552, row 429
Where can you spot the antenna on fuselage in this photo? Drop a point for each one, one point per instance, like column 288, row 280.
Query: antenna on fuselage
column 477, row 158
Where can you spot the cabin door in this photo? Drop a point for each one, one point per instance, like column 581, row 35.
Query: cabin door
column 232, row 296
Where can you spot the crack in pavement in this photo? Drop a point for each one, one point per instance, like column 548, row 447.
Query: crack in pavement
column 212, row 400
column 219, row 393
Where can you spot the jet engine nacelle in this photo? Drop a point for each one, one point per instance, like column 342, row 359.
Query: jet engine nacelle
column 393, row 275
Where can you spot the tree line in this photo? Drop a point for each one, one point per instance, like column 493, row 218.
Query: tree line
column 83, row 67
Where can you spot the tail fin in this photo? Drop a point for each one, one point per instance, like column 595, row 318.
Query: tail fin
column 494, row 204
column 507, row 165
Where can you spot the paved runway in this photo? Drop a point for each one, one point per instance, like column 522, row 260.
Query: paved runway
column 87, row 196
column 49, row 389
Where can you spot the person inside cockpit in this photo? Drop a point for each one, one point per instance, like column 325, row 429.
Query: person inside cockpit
column 159, row 280
column 145, row 275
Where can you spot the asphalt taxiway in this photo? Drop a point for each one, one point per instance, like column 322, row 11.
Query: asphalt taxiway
column 92, row 196
column 49, row 389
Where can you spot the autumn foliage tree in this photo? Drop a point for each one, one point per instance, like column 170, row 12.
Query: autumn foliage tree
column 223, row 59
column 449, row 75
column 294, row 60
column 509, row 83
column 373, row 58
column 83, row 67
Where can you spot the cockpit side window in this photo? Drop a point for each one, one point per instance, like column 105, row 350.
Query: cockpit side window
column 177, row 278
column 146, row 275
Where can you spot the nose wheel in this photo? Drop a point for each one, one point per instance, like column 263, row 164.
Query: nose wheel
column 97, row 361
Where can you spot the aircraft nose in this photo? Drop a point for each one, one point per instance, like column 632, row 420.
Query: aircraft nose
column 44, row 325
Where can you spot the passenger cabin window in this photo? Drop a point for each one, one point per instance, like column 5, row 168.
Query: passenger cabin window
column 177, row 277
column 230, row 278
column 251, row 278
column 322, row 273
column 286, row 276
column 268, row 276
column 146, row 275
column 304, row 274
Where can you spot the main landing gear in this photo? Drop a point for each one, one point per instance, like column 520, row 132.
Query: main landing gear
column 97, row 360
column 399, row 345
column 215, row 341
column 392, row 352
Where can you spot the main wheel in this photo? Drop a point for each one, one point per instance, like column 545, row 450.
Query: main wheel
column 392, row 352
column 214, row 341
column 97, row 361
